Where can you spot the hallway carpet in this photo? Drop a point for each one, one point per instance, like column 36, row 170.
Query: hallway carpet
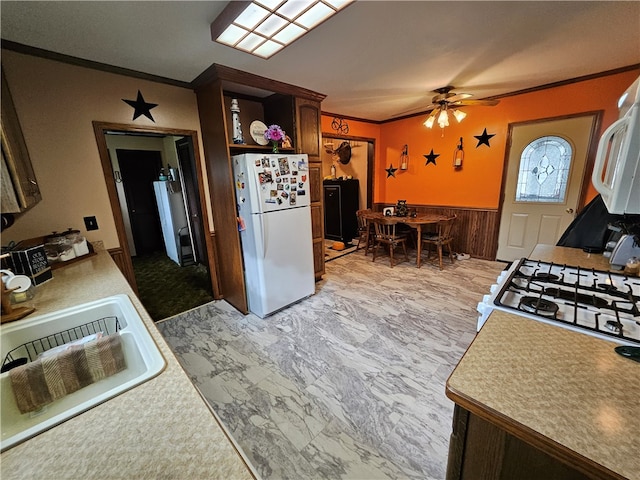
column 348, row 383
column 167, row 289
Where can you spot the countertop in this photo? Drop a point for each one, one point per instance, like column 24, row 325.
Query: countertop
column 564, row 392
column 570, row 256
column 160, row 429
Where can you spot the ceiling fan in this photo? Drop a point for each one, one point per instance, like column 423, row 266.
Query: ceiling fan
column 447, row 101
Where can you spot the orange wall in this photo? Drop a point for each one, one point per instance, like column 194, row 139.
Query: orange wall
column 477, row 184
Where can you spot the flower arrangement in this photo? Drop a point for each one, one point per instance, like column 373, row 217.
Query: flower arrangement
column 275, row 135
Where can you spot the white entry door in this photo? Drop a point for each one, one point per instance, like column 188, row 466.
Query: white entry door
column 545, row 171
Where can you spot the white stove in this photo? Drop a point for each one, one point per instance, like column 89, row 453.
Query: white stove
column 595, row 302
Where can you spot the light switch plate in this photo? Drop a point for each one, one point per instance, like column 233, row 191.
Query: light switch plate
column 90, row 223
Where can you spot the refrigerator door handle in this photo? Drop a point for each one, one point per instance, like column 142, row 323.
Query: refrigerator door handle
column 263, row 237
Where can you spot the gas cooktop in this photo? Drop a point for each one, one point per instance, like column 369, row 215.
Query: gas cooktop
column 605, row 304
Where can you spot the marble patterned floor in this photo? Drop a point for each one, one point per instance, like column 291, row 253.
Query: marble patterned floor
column 348, row 384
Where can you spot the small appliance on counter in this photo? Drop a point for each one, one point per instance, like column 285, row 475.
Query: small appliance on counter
column 627, row 247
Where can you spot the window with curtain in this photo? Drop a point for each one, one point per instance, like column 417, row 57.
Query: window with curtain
column 544, row 171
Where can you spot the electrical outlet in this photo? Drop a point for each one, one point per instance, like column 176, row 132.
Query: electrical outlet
column 90, row 223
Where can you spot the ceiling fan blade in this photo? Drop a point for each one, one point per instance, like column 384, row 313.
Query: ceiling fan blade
column 463, row 103
column 416, row 110
column 458, row 96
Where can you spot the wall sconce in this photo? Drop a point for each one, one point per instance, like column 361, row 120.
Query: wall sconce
column 458, row 156
column 404, row 158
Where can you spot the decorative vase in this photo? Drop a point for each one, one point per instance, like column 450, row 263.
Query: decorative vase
column 274, row 146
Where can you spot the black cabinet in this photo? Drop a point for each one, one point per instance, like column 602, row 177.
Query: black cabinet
column 341, row 202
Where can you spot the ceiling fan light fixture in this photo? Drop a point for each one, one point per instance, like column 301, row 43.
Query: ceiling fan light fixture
column 459, row 114
column 443, row 118
column 431, row 119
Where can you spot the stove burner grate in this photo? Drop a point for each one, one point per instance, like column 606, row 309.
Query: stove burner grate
column 539, row 306
column 545, row 277
column 577, row 297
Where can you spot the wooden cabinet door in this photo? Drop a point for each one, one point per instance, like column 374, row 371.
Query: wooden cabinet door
column 308, row 133
column 21, row 191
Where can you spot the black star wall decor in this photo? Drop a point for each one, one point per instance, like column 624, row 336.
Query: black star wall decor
column 141, row 107
column 484, row 138
column 391, row 172
column 431, row 158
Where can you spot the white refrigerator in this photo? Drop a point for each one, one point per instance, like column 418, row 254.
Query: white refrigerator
column 274, row 219
column 173, row 216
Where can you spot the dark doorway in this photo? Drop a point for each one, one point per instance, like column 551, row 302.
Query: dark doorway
column 186, row 157
column 139, row 169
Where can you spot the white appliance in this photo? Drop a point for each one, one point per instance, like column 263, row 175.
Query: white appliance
column 274, row 218
column 625, row 248
column 173, row 216
column 616, row 172
column 598, row 303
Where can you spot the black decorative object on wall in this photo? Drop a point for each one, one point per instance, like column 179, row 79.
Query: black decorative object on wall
column 431, row 158
column 141, row 107
column 340, row 126
column 484, row 138
column 458, row 156
column 391, row 172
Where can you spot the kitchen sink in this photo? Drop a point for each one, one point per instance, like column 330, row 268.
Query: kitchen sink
column 142, row 356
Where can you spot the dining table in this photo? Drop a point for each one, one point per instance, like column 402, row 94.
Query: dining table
column 417, row 222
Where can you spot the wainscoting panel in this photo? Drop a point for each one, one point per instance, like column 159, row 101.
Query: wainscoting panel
column 475, row 231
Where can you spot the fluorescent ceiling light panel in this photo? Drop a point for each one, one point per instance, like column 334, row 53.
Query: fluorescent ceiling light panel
column 270, row 5
column 292, row 8
column 267, row 49
column 251, row 16
column 264, row 27
column 315, row 15
column 289, row 34
column 338, row 4
column 232, row 35
column 271, row 25
column 250, row 42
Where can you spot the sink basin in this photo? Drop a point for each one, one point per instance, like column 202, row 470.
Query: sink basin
column 142, row 356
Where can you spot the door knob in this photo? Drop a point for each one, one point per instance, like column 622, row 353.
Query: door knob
column 569, row 210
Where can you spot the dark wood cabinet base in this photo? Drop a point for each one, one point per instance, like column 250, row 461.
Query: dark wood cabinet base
column 479, row 450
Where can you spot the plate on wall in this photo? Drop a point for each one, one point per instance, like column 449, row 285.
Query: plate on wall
column 257, row 129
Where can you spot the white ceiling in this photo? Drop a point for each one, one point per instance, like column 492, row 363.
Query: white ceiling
column 375, row 60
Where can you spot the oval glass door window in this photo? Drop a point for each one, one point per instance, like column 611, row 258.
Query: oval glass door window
column 545, row 165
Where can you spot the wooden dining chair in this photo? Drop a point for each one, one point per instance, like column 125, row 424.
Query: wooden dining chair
column 366, row 230
column 386, row 234
column 440, row 238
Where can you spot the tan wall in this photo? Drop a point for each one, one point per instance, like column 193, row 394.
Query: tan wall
column 357, row 166
column 56, row 105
